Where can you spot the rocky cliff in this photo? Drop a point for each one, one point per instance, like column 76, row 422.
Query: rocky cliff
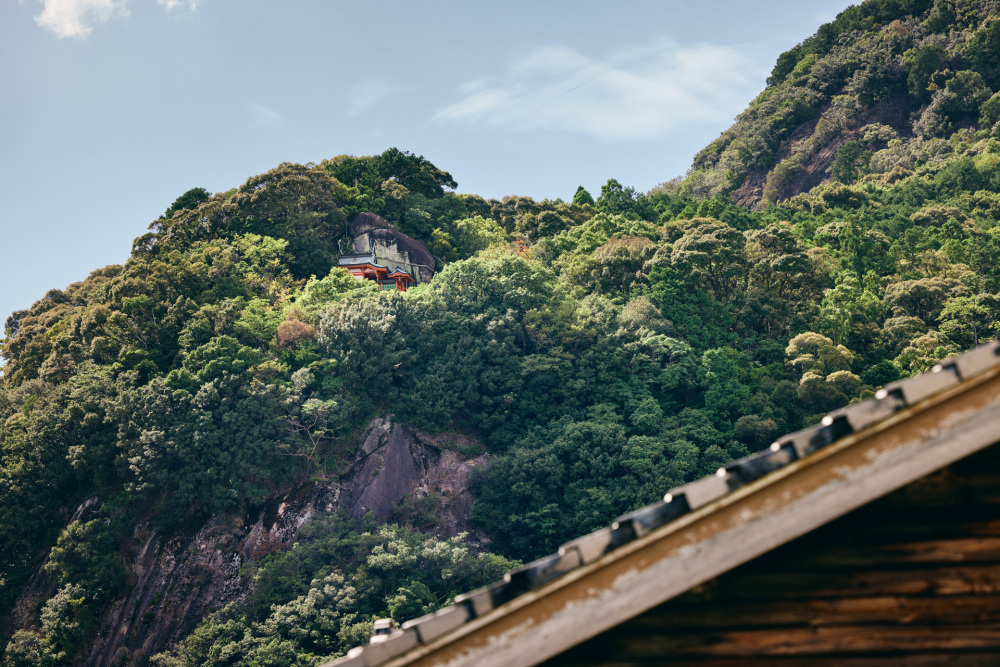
column 803, row 175
column 393, row 248
column 176, row 580
column 888, row 86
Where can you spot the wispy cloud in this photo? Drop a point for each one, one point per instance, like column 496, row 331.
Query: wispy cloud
column 261, row 116
column 171, row 5
column 76, row 18
column 365, row 95
column 641, row 93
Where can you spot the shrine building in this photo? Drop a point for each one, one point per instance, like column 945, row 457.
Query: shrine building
column 365, row 266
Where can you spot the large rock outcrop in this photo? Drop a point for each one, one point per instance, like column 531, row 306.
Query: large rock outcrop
column 892, row 111
column 395, row 462
column 180, row 578
column 373, row 233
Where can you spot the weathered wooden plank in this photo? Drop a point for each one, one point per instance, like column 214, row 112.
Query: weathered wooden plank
column 798, row 599
column 952, row 580
column 947, row 490
column 975, row 659
column 834, row 640
column 944, row 551
column 873, row 525
column 890, row 535
column 679, row 617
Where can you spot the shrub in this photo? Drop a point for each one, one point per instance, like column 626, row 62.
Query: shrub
column 292, row 332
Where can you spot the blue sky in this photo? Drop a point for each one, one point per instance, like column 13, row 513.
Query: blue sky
column 112, row 108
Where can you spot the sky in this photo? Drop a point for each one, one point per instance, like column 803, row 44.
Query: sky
column 110, row 109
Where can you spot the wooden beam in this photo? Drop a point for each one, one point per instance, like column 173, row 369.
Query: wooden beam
column 972, row 659
column 962, row 580
column 805, row 641
column 852, row 554
column 885, row 609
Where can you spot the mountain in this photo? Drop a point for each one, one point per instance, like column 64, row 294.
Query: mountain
column 247, row 442
column 871, row 96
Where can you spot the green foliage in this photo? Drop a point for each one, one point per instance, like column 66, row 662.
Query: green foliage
column 596, row 231
column 319, row 294
column 933, row 61
column 66, row 620
column 567, row 480
column 880, row 374
column 207, row 436
column 86, row 553
column 850, row 313
column 967, row 319
column 465, row 238
column 851, row 161
column 983, row 52
column 295, row 203
column 319, row 598
column 990, row 111
column 921, row 63
column 582, row 197
column 617, row 199
column 969, row 90
column 413, row 172
column 189, row 200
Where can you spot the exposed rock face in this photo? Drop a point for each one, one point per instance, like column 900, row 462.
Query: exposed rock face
column 392, row 248
column 395, row 462
column 365, row 222
column 179, row 579
column 892, row 111
column 387, row 451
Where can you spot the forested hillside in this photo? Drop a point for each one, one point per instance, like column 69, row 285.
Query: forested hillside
column 599, row 351
column 869, row 98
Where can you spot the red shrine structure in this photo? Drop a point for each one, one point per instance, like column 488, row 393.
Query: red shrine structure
column 381, row 253
column 365, row 266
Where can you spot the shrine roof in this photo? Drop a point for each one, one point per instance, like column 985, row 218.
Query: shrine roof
column 401, row 273
column 366, row 259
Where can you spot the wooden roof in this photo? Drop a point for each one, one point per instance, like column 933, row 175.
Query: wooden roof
column 912, row 578
column 360, row 260
column 399, row 273
column 701, row 530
